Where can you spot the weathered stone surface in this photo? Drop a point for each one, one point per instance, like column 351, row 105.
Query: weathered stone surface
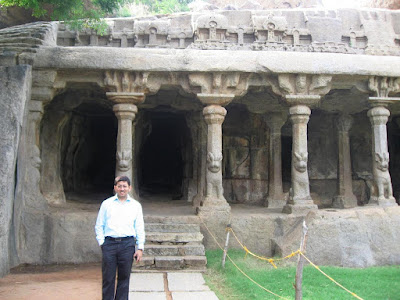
column 172, row 227
column 358, row 237
column 193, row 61
column 15, row 85
column 174, row 237
column 71, row 238
column 169, row 262
column 175, row 250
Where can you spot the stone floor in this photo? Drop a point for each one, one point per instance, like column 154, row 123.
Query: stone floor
column 77, row 282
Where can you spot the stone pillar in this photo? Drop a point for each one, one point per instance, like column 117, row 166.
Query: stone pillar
column 345, row 197
column 126, row 114
column 34, row 118
column 381, row 192
column 125, row 110
column 275, row 197
column 299, row 199
column 214, row 116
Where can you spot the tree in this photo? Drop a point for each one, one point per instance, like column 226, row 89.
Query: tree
column 77, row 13
column 165, row 6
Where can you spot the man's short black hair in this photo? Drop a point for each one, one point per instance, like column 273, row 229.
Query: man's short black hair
column 122, row 178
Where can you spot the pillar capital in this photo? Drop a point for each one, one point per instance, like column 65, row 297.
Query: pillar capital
column 214, row 114
column 299, row 114
column 275, row 121
column 382, row 101
column 125, row 111
column 215, row 99
column 126, row 97
column 343, row 122
column 378, row 115
column 306, row 100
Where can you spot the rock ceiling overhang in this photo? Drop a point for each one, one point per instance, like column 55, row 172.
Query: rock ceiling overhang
column 165, row 60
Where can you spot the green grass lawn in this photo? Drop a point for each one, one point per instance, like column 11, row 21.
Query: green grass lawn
column 229, row 283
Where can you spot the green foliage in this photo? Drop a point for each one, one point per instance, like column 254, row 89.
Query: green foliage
column 77, row 13
column 166, row 6
column 369, row 283
column 80, row 14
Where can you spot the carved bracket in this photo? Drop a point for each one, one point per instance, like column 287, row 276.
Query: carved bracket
column 300, row 84
column 383, row 86
column 130, row 82
column 218, row 83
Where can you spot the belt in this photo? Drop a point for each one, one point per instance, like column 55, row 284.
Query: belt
column 118, row 239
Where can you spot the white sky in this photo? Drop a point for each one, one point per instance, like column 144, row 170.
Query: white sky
column 341, row 3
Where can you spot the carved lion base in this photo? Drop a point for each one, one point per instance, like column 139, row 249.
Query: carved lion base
column 213, row 204
column 381, row 201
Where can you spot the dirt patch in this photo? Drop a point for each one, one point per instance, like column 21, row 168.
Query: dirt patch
column 60, row 282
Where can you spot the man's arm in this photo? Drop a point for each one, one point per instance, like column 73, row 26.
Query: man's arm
column 100, row 223
column 140, row 234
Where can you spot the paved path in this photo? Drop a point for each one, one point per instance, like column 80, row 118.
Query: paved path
column 77, row 282
column 169, row 286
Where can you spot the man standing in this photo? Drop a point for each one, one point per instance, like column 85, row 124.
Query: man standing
column 119, row 227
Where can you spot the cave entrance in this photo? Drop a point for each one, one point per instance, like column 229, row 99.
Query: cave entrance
column 88, row 151
column 165, row 154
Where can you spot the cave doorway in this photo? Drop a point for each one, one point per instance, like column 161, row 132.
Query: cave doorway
column 88, row 150
column 165, row 156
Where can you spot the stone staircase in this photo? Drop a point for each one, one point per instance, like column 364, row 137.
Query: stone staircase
column 172, row 244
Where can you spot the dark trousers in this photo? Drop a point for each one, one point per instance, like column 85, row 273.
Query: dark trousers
column 117, row 255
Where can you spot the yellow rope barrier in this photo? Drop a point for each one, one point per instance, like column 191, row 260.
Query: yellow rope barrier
column 270, row 260
column 337, row 283
column 241, row 271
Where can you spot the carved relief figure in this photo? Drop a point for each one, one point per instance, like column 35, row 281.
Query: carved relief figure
column 124, row 159
column 300, row 185
column 213, row 30
column 214, row 178
column 382, row 177
column 300, row 162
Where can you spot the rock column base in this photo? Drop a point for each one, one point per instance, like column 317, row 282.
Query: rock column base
column 344, row 202
column 298, row 209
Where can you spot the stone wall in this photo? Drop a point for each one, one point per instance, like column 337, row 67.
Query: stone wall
column 15, row 88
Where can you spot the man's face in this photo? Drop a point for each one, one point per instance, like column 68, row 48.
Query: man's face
column 122, row 189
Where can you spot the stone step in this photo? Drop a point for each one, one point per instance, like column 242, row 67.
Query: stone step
column 173, row 237
column 171, row 219
column 171, row 262
column 174, row 250
column 157, row 227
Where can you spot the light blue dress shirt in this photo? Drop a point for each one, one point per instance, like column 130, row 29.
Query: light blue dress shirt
column 120, row 219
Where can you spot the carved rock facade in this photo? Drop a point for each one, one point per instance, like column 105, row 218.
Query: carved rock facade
column 169, row 102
